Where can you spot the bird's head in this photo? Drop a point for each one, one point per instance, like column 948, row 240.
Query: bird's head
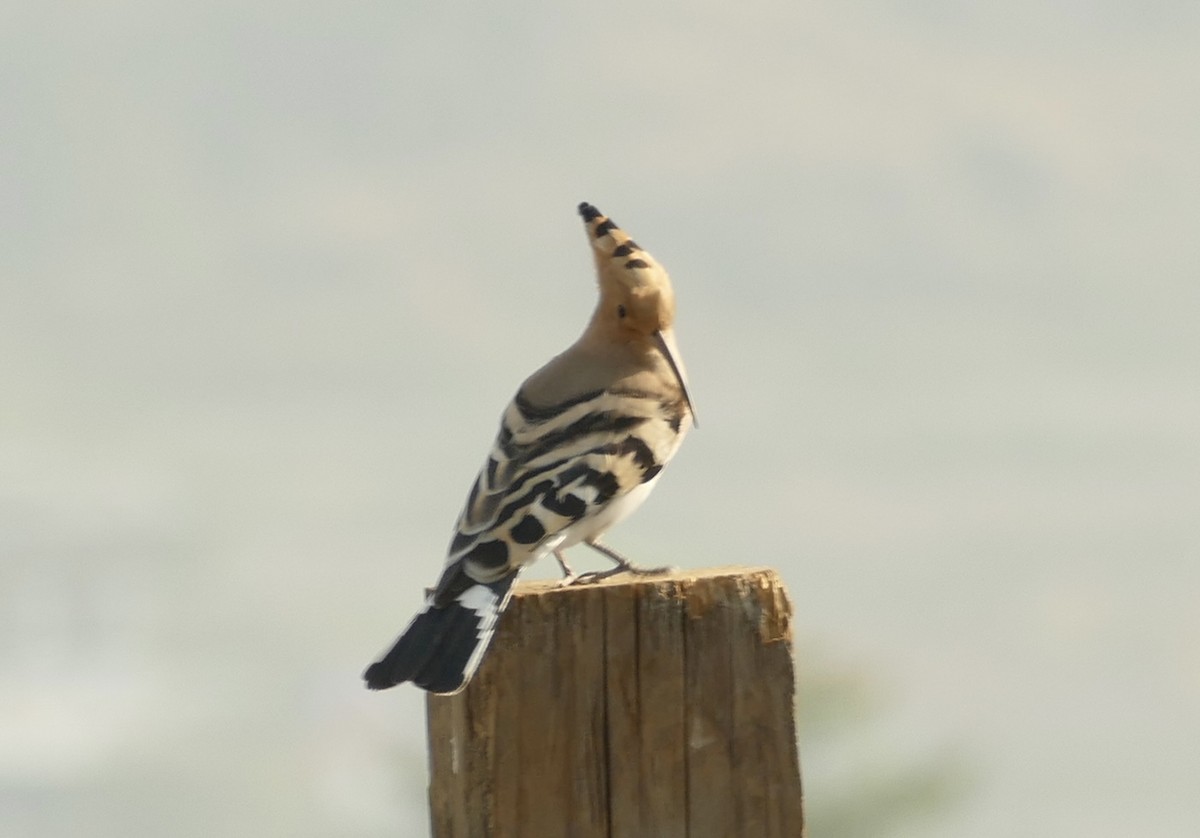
column 637, row 303
column 635, row 292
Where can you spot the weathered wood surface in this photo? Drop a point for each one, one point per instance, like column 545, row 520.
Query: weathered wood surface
column 637, row 707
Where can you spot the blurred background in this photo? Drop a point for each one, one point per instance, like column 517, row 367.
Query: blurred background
column 269, row 273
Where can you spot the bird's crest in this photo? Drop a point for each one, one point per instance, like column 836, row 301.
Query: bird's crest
column 636, row 298
column 618, row 255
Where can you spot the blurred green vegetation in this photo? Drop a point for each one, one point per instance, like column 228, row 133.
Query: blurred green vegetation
column 858, row 781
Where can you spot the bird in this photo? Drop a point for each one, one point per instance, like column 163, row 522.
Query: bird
column 580, row 447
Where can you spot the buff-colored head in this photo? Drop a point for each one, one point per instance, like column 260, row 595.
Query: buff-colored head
column 637, row 303
column 635, row 292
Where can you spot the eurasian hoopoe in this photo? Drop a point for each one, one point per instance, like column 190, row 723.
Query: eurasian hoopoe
column 580, row 447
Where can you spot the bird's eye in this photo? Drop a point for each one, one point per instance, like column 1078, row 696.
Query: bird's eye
column 620, row 311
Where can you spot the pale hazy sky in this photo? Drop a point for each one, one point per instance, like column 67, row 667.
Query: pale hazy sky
column 269, row 273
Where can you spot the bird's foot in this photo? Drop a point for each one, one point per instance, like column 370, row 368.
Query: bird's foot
column 597, row 575
column 569, row 576
column 622, row 565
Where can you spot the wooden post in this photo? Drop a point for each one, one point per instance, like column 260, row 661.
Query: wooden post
column 637, row 707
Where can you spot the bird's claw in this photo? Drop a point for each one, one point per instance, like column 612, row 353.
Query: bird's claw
column 637, row 570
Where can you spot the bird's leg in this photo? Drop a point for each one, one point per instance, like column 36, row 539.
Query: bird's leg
column 623, row 565
column 569, row 576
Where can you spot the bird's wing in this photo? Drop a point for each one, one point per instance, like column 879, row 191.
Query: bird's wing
column 550, row 467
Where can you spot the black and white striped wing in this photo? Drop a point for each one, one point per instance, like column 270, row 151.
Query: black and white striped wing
column 551, row 468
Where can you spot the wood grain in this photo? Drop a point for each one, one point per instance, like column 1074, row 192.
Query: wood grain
column 637, row 707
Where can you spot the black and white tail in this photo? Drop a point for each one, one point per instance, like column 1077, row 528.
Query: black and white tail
column 443, row 645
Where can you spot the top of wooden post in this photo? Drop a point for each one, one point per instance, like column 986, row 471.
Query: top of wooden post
column 624, row 580
column 637, row 705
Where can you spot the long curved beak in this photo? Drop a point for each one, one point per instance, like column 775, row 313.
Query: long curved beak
column 665, row 339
